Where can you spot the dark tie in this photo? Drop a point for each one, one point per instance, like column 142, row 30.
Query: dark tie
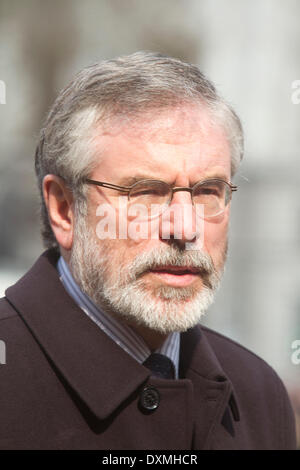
column 160, row 365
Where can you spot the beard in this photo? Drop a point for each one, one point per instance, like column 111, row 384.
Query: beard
column 118, row 287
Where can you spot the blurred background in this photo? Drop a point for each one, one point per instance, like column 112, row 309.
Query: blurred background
column 250, row 50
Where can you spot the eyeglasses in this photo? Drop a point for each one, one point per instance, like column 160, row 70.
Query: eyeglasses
column 213, row 194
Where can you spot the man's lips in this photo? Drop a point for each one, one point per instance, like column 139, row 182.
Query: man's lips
column 177, row 270
column 178, row 276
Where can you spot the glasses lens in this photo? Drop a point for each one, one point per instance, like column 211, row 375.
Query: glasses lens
column 153, row 195
column 213, row 196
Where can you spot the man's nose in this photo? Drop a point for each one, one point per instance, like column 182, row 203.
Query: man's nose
column 180, row 221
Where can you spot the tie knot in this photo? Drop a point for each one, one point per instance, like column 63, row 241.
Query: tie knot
column 160, row 365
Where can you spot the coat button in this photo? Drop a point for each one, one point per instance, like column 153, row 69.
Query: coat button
column 149, row 399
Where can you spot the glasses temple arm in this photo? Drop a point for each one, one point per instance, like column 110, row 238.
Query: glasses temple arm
column 108, row 185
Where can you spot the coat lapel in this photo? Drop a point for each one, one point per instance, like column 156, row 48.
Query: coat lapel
column 81, row 352
column 215, row 403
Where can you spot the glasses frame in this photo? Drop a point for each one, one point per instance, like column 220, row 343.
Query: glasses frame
column 127, row 189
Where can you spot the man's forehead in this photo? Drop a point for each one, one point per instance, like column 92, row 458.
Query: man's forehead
column 184, row 139
column 177, row 122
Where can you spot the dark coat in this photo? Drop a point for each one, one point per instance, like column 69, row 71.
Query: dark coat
column 67, row 385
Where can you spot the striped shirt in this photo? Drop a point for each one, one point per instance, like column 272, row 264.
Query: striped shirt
column 122, row 334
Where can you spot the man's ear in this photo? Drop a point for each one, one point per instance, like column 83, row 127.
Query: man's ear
column 59, row 202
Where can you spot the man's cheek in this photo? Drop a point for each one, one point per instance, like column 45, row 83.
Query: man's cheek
column 215, row 239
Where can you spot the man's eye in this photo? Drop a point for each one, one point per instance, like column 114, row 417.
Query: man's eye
column 145, row 192
column 160, row 190
column 209, row 190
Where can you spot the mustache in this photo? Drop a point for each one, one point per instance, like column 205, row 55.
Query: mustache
column 154, row 258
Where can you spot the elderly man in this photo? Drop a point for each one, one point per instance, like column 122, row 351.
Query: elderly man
column 104, row 348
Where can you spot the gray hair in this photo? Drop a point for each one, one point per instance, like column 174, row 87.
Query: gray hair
column 126, row 87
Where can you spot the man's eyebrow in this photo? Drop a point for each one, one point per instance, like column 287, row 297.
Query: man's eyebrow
column 219, row 176
column 130, row 180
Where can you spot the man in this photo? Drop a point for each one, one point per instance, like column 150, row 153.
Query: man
column 104, row 348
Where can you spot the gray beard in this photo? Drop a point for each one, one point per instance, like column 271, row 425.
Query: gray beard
column 120, row 289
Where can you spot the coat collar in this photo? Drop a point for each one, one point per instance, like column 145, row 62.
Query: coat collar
column 79, row 349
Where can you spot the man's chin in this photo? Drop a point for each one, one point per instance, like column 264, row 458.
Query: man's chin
column 165, row 309
column 161, row 291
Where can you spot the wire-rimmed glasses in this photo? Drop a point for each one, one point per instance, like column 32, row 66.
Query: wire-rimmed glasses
column 213, row 195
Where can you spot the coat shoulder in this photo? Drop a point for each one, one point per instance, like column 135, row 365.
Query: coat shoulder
column 15, row 335
column 258, row 386
column 230, row 352
column 6, row 310
column 238, row 361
